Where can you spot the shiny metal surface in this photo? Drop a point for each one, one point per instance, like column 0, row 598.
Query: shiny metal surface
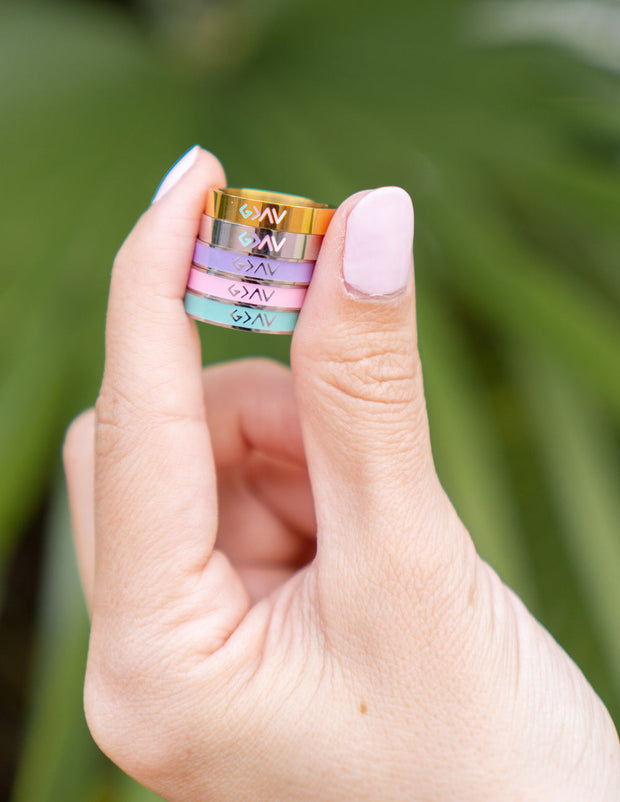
column 274, row 210
column 246, row 239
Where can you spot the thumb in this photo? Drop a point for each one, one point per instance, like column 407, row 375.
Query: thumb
column 359, row 383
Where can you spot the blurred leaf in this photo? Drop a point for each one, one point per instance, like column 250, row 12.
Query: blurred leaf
column 530, row 299
column 465, row 444
column 59, row 758
column 214, row 35
column 591, row 30
column 583, row 467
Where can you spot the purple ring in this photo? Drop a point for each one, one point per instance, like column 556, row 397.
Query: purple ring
column 275, row 271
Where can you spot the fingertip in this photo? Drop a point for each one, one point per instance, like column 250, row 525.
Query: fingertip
column 154, row 260
column 196, row 159
column 175, row 173
column 150, row 341
column 205, row 169
column 362, row 283
column 379, row 243
column 335, row 234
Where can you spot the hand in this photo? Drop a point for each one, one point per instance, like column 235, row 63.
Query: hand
column 228, row 660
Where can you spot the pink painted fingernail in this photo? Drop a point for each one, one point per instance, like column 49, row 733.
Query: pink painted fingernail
column 378, row 242
column 178, row 169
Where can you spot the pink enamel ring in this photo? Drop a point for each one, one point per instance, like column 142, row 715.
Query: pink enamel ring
column 265, row 296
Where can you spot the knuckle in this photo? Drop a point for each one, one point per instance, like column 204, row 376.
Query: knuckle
column 114, row 406
column 119, row 732
column 122, row 425
column 130, row 715
column 379, row 368
column 375, row 388
column 113, row 411
column 101, row 709
column 371, row 378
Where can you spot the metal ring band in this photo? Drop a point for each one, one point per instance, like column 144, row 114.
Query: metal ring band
column 264, row 296
column 275, row 210
column 259, row 241
column 256, row 267
column 237, row 316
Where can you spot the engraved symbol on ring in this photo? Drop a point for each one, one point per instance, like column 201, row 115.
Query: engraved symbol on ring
column 244, row 317
column 248, row 266
column 269, row 241
column 269, row 212
column 263, row 319
column 237, row 315
column 258, row 293
column 277, row 246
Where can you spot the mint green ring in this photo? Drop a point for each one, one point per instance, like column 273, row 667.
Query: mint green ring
column 237, row 316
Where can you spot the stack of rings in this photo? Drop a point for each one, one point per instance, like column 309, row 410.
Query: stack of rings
column 254, row 258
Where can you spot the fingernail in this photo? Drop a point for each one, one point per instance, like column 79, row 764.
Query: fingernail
column 177, row 170
column 378, row 242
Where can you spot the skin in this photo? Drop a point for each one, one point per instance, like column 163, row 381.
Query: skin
column 284, row 604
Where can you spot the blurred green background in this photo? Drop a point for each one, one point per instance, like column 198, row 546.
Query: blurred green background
column 502, row 119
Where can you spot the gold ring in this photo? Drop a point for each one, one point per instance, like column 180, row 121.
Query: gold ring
column 273, row 210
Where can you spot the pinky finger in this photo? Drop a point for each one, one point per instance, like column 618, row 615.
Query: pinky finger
column 79, row 464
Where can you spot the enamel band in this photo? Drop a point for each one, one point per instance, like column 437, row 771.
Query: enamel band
column 253, row 267
column 273, row 210
column 266, row 296
column 237, row 316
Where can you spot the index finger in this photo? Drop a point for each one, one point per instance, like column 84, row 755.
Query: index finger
column 155, row 493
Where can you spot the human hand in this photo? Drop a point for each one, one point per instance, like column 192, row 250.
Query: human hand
column 227, row 660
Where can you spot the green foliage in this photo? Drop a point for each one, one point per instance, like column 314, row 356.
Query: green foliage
column 511, row 156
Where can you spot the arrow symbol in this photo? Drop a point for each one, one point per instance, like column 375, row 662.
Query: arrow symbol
column 277, row 247
column 266, row 212
column 256, row 213
column 282, row 215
